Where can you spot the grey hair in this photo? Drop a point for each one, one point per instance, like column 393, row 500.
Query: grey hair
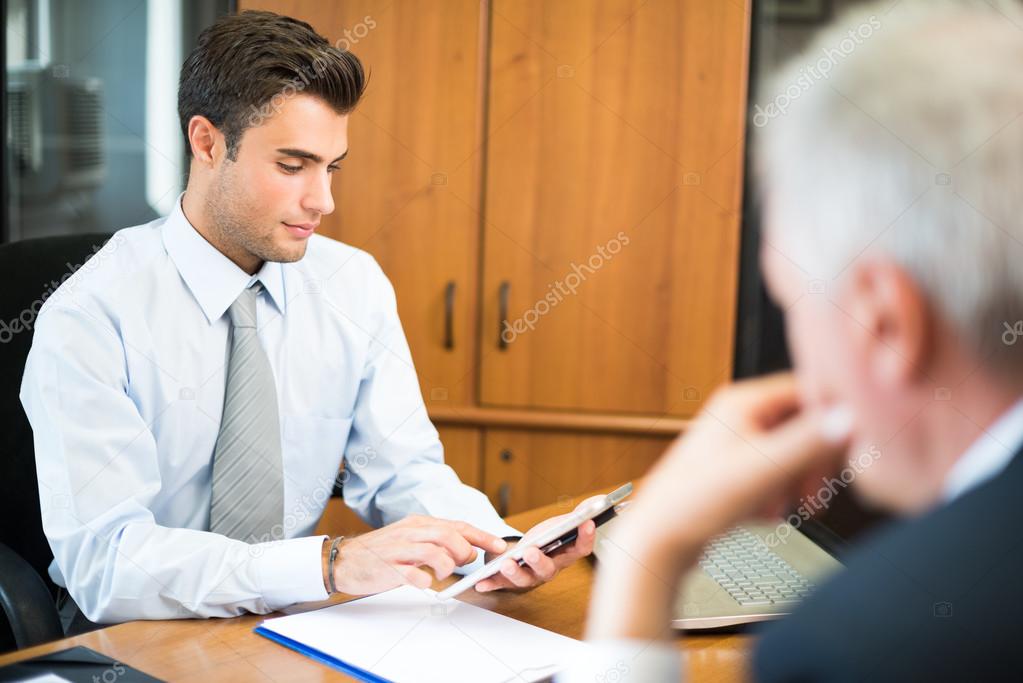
column 909, row 145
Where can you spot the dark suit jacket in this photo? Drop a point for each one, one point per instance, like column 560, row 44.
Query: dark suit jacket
column 937, row 597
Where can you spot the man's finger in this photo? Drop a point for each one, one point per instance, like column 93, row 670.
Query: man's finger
column 542, row 566
column 811, row 438
column 518, row 576
column 582, row 546
column 586, row 536
column 432, row 556
column 493, row 583
column 450, row 540
column 415, row 577
column 761, row 399
column 540, row 528
column 480, row 538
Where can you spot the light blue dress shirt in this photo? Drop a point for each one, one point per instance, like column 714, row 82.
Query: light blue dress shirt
column 124, row 387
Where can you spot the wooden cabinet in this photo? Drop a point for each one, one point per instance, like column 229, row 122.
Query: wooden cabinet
column 521, row 469
column 527, row 469
column 462, row 451
column 554, row 188
column 412, row 161
column 612, row 203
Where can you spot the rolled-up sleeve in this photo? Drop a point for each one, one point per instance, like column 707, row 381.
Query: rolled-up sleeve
column 98, row 472
column 394, row 460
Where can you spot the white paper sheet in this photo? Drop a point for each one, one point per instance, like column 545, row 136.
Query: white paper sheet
column 407, row 634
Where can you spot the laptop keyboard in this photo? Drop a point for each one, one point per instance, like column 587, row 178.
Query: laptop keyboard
column 752, row 573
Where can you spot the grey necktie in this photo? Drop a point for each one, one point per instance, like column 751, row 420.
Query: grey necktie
column 248, row 479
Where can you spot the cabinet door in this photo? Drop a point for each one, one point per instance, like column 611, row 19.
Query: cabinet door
column 523, row 470
column 462, row 450
column 613, row 184
column 405, row 192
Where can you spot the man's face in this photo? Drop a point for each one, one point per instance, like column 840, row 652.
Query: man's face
column 814, row 331
column 267, row 203
column 839, row 359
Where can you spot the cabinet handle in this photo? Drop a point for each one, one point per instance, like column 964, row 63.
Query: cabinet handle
column 503, row 497
column 449, row 315
column 502, row 314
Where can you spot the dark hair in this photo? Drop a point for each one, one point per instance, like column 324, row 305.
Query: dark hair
column 245, row 65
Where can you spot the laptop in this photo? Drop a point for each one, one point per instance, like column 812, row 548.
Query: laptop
column 754, row 572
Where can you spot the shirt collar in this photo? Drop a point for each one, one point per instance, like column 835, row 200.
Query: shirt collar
column 988, row 455
column 214, row 280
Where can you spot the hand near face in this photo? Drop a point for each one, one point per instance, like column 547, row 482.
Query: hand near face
column 753, row 448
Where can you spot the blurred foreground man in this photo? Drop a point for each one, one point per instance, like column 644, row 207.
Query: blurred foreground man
column 897, row 180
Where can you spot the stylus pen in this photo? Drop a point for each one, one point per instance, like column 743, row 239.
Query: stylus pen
column 604, row 516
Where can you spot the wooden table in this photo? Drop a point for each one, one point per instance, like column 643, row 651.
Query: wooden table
column 228, row 650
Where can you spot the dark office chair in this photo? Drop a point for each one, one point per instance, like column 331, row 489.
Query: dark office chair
column 30, row 268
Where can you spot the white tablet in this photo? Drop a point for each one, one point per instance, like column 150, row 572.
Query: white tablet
column 548, row 539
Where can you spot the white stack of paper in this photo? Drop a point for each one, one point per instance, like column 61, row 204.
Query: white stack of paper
column 407, row 634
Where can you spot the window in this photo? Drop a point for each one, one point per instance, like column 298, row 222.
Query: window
column 90, row 107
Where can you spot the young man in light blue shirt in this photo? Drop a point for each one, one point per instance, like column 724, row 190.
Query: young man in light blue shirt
column 195, row 387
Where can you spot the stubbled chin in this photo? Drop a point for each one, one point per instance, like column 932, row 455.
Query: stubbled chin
column 296, row 253
column 287, row 251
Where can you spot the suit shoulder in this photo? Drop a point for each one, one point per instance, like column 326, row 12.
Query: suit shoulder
column 916, row 589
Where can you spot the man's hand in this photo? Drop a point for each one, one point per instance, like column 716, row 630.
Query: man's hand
column 392, row 556
column 752, row 450
column 540, row 568
column 754, row 447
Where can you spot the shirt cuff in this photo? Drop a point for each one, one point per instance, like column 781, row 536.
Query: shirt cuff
column 290, row 571
column 624, row 661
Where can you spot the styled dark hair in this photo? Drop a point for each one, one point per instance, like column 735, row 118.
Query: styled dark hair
column 247, row 65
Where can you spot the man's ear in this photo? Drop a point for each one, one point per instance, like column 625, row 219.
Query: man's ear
column 206, row 140
column 893, row 324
